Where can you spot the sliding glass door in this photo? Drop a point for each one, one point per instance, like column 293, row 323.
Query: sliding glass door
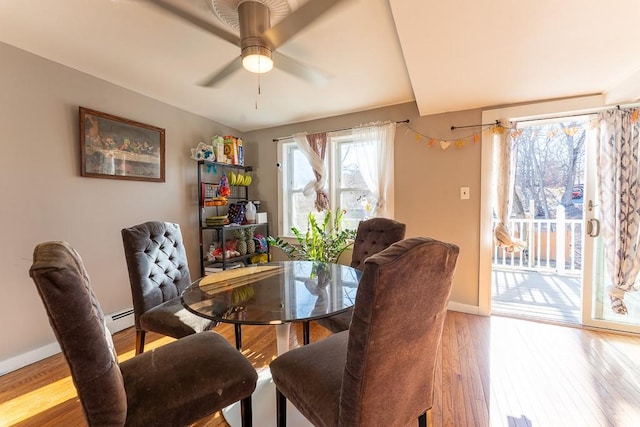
column 598, row 284
column 580, row 252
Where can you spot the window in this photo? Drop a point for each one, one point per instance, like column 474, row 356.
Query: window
column 349, row 164
column 352, row 193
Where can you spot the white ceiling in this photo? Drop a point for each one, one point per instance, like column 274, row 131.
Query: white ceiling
column 447, row 55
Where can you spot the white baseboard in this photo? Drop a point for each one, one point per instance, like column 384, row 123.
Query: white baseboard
column 115, row 322
column 28, row 358
column 463, row 308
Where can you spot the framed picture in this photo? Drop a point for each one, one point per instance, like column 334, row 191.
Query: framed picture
column 118, row 148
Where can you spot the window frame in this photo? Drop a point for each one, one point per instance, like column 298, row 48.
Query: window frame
column 333, row 163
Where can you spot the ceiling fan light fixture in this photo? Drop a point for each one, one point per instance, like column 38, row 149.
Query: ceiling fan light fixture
column 257, row 59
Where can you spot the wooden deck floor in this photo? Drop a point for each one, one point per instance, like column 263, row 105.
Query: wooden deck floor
column 550, row 297
column 530, row 294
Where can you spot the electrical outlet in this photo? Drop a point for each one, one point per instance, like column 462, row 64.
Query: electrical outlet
column 464, row 193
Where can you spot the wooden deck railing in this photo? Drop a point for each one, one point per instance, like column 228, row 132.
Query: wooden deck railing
column 552, row 245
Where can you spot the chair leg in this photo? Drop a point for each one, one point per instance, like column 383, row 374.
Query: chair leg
column 238, row 330
column 426, row 419
column 305, row 333
column 281, row 409
column 246, row 412
column 139, row 341
column 422, row 420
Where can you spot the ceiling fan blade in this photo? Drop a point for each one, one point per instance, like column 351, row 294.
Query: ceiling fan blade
column 231, row 67
column 298, row 69
column 198, row 22
column 300, row 18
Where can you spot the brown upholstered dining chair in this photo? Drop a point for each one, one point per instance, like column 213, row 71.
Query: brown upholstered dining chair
column 381, row 371
column 158, row 273
column 373, row 235
column 173, row 385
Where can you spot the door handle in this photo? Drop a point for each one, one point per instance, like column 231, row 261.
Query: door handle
column 593, row 227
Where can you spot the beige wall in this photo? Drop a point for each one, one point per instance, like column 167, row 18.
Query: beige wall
column 44, row 198
column 427, row 180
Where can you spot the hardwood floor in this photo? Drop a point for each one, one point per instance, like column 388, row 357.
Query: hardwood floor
column 494, row 371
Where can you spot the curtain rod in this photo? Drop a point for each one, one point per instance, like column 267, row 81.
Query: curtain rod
column 560, row 116
column 497, row 122
column 585, row 113
column 337, row 130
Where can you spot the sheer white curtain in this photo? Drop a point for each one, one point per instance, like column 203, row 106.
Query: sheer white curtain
column 619, row 186
column 376, row 166
column 314, row 148
column 503, row 186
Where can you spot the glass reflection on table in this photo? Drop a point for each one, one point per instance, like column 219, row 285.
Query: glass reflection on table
column 274, row 293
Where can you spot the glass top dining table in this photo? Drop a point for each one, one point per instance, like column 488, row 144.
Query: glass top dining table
column 275, row 293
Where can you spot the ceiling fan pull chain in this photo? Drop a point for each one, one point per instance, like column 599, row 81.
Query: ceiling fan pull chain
column 258, row 92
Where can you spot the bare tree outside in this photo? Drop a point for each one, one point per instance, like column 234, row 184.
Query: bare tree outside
column 549, row 170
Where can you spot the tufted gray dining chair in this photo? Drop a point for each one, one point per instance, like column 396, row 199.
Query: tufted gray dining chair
column 373, row 236
column 173, row 385
column 158, row 273
column 381, row 371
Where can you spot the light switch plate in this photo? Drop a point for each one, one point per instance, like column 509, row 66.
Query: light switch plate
column 464, row 193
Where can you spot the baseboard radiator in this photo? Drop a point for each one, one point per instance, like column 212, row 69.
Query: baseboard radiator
column 121, row 320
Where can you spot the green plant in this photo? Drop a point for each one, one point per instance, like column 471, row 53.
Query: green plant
column 322, row 242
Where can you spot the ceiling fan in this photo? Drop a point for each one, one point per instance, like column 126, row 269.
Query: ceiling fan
column 258, row 40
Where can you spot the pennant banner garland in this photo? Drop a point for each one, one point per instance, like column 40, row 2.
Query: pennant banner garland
column 495, row 128
column 444, row 144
